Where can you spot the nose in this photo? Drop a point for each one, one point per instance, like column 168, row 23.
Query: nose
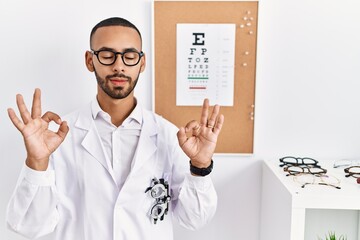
column 119, row 65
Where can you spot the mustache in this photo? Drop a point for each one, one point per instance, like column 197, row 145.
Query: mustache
column 118, row 75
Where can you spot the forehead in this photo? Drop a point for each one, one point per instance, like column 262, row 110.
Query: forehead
column 116, row 37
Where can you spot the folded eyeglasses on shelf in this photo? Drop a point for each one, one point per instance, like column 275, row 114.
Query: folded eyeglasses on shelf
column 307, row 171
column 346, row 162
column 310, row 179
column 352, row 167
column 353, row 171
column 295, row 161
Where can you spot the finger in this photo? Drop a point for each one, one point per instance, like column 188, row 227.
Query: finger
column 212, row 120
column 50, row 116
column 15, row 120
column 24, row 113
column 36, row 106
column 219, row 124
column 181, row 135
column 63, row 130
column 193, row 126
column 204, row 112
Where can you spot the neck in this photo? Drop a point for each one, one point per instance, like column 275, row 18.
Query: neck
column 118, row 109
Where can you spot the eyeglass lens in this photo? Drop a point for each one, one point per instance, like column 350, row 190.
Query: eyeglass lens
column 157, row 211
column 158, row 191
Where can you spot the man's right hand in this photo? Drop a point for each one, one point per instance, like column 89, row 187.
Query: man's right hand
column 40, row 142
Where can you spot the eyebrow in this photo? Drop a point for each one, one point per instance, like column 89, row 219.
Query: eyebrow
column 113, row 50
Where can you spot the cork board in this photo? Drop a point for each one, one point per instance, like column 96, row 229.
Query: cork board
column 238, row 130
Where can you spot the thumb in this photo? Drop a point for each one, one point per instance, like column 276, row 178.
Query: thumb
column 63, row 130
column 181, row 135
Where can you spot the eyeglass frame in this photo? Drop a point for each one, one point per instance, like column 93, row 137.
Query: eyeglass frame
column 346, row 162
column 96, row 53
column 351, row 174
column 161, row 193
column 323, row 183
column 303, row 167
column 282, row 163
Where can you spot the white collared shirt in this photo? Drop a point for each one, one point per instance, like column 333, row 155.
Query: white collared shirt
column 119, row 143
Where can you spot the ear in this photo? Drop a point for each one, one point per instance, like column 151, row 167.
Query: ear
column 142, row 63
column 89, row 61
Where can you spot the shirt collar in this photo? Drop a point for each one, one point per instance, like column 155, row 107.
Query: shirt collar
column 136, row 114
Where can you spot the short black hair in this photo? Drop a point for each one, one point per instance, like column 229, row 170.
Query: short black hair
column 114, row 21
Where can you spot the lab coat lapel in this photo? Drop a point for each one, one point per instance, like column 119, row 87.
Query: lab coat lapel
column 147, row 141
column 91, row 141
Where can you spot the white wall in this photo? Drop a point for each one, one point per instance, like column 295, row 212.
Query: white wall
column 306, row 91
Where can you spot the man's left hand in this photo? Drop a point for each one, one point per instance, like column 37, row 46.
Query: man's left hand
column 198, row 139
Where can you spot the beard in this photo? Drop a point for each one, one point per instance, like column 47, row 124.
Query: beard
column 116, row 92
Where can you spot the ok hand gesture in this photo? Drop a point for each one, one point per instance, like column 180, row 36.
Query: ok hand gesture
column 201, row 143
column 40, row 142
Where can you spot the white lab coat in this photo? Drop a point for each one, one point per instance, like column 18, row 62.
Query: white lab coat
column 77, row 197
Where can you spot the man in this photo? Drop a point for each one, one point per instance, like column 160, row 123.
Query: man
column 113, row 170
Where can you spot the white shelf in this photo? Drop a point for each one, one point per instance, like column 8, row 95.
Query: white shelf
column 284, row 201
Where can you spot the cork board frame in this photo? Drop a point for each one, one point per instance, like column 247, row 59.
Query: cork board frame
column 238, row 130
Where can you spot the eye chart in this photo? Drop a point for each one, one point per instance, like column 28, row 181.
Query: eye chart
column 205, row 64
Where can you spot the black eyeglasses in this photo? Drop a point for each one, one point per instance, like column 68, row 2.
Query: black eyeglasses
column 294, row 161
column 108, row 57
column 353, row 171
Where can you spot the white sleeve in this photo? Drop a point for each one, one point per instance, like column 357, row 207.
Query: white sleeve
column 197, row 202
column 32, row 208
